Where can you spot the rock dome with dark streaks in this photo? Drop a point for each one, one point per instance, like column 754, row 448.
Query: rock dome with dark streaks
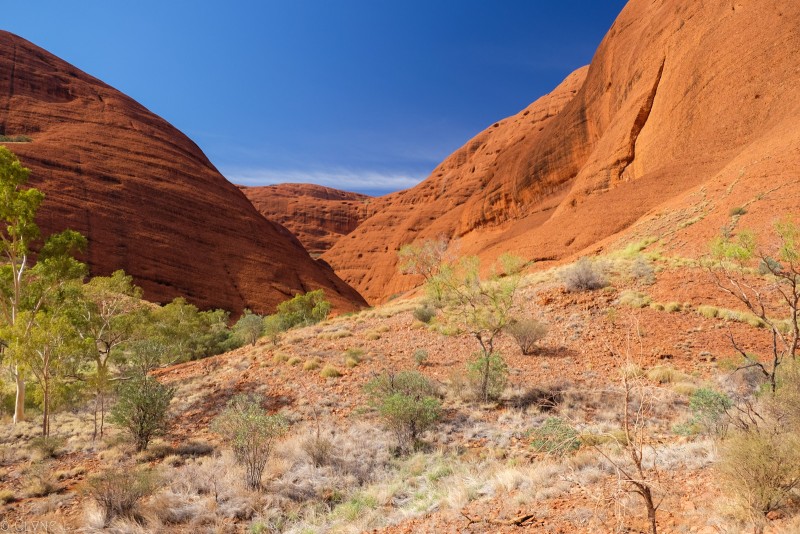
column 145, row 196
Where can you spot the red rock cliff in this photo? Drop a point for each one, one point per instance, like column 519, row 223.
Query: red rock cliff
column 144, row 194
column 687, row 108
column 317, row 215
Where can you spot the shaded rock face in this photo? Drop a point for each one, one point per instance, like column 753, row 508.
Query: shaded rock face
column 319, row 216
column 687, row 108
column 144, row 194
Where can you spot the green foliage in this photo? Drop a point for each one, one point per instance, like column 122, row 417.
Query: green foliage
column 330, row 371
column 188, row 333
column 141, row 409
column 759, row 470
column 423, row 258
column 634, row 299
column 119, row 491
column 306, row 309
column 249, row 327
column 274, row 326
column 251, row 433
column 488, row 375
column 421, row 357
column 424, row 313
column 407, row 402
column 709, row 412
column 583, row 275
column 555, row 436
column 527, row 332
column 46, row 447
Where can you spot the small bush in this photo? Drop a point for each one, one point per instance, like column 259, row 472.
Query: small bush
column 710, row 411
column 642, row 271
column 487, row 376
column 249, row 328
column 330, row 371
column 709, row 312
column 759, row 470
column 634, row 299
column 312, row 364
column 46, row 447
column 424, row 313
column 555, row 436
column 6, row 496
column 251, row 433
column 737, row 211
column 320, row 449
column 421, row 357
column 583, row 276
column 527, row 333
column 118, row 492
column 142, row 409
column 408, row 403
column 302, row 310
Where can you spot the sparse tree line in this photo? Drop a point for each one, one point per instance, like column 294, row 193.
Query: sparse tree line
column 76, row 340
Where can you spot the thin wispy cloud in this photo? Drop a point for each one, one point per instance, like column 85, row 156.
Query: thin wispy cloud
column 360, row 181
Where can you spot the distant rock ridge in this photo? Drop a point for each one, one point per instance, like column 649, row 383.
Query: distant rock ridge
column 145, row 196
column 318, row 215
column 687, row 109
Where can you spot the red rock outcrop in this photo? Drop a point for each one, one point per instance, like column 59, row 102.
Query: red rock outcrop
column 687, row 109
column 144, row 194
column 317, row 215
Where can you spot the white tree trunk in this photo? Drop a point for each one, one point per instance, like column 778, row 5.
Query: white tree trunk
column 19, row 403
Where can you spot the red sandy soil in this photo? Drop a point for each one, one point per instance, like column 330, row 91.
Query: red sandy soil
column 144, row 194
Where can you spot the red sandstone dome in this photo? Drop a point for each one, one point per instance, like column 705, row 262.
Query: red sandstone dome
column 687, row 110
column 144, row 194
column 317, row 215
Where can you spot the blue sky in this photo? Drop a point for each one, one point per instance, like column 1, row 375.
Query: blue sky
column 365, row 95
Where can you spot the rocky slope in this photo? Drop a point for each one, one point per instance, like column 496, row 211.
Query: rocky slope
column 144, row 194
column 687, row 110
column 317, row 215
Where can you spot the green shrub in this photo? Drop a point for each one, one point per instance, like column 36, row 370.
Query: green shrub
column 424, row 313
column 583, row 275
column 274, row 326
column 710, row 411
column 708, row 312
column 487, row 376
column 330, row 371
column 118, row 492
column 555, row 436
column 302, row 310
column 142, row 409
column 407, row 402
column 249, row 327
column 634, row 299
column 421, row 357
column 251, row 433
column 311, row 364
column 15, row 139
column 759, row 471
column 527, row 333
column 46, row 447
